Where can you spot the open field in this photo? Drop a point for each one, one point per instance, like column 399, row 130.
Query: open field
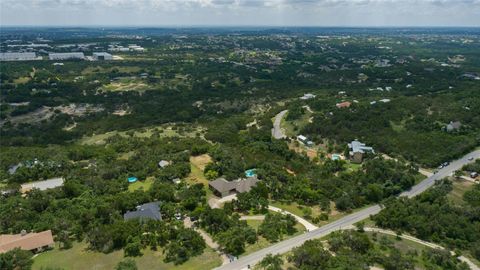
column 459, row 188
column 262, row 242
column 143, row 185
column 78, row 258
column 164, row 131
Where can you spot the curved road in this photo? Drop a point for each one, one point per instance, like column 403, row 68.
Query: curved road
column 425, row 243
column 287, row 245
column 277, row 131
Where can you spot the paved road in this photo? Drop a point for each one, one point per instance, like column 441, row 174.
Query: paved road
column 349, row 220
column 277, row 131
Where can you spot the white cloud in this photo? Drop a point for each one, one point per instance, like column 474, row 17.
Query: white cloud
column 242, row 12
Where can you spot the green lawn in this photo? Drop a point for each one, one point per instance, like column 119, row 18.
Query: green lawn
column 254, row 223
column 459, row 188
column 78, row 258
column 351, row 167
column 262, row 242
column 165, row 131
column 145, row 184
column 292, row 127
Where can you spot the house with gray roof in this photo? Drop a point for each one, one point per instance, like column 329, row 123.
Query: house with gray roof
column 453, row 126
column 221, row 187
column 358, row 151
column 145, row 211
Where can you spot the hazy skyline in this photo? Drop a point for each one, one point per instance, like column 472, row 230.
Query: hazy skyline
column 241, row 12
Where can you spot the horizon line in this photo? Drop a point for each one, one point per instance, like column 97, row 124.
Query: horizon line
column 233, row 26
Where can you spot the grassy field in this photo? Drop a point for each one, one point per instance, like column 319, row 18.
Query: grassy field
column 262, row 242
column 351, row 167
column 164, row 131
column 79, row 258
column 197, row 164
column 144, row 185
column 292, row 127
column 459, row 188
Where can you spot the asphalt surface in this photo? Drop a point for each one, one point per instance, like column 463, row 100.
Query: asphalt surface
column 277, row 131
column 287, row 245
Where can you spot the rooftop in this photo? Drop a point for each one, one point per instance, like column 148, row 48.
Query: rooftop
column 145, row 211
column 358, row 147
column 25, row 241
column 43, row 185
column 239, row 185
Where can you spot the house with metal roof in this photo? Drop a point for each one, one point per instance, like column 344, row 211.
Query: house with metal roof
column 452, row 126
column 145, row 211
column 221, row 187
column 66, row 56
column 358, row 151
column 102, row 56
column 43, row 185
column 35, row 242
column 19, row 56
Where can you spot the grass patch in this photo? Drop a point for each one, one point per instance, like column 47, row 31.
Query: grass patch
column 141, row 185
column 254, row 223
column 263, row 243
column 352, row 167
column 459, row 188
column 79, row 258
column 163, row 130
column 292, row 127
column 21, row 80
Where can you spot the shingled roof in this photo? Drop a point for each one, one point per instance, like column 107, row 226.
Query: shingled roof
column 145, row 211
column 240, row 185
column 25, row 241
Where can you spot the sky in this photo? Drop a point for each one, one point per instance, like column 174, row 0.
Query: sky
column 240, row 12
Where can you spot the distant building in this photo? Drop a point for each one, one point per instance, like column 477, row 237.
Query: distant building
column 163, row 163
column 145, row 211
column 358, row 150
column 307, row 96
column 43, row 185
column 19, row 56
column 66, row 56
column 453, row 126
column 304, row 140
column 102, row 56
column 34, row 242
column 345, row 104
column 221, row 187
column 385, row 100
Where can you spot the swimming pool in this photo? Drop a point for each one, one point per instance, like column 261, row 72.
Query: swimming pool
column 250, row 173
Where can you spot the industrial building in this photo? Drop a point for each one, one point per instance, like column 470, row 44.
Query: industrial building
column 18, row 56
column 66, row 56
column 102, row 56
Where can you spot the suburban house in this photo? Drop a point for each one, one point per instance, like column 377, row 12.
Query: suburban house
column 221, row 187
column 145, row 211
column 358, row 151
column 102, row 56
column 304, row 140
column 34, row 242
column 453, row 126
column 163, row 163
column 345, row 104
column 307, row 96
column 43, row 185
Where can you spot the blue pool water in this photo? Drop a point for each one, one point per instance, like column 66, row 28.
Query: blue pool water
column 132, row 179
column 250, row 173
